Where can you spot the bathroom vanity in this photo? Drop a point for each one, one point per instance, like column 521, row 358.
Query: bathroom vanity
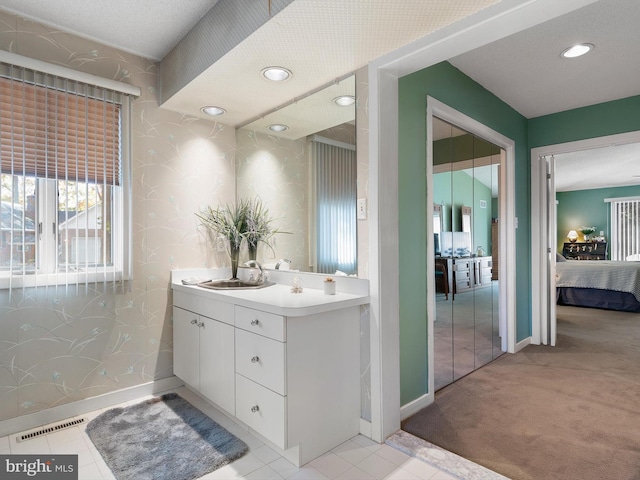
column 286, row 365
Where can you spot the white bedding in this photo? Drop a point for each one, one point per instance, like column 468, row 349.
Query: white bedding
column 601, row 274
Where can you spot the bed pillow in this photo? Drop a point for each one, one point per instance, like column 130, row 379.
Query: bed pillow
column 560, row 258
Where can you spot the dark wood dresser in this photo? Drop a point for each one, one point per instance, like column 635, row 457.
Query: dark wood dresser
column 585, row 251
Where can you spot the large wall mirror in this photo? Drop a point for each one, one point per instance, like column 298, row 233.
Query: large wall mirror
column 301, row 161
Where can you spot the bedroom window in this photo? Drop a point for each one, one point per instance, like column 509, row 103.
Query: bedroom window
column 60, row 180
column 625, row 228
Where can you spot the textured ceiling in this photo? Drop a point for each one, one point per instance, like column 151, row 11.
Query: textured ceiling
column 526, row 70
column 149, row 28
column 616, row 165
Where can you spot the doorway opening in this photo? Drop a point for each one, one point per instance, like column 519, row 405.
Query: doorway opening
column 548, row 246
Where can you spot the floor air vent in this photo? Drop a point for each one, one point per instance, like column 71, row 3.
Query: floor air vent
column 45, row 430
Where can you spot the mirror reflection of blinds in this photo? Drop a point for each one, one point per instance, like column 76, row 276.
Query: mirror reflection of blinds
column 336, row 209
column 625, row 228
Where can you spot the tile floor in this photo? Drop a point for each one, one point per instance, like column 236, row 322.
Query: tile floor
column 357, row 459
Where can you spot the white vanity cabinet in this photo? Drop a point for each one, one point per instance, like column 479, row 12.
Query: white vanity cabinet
column 292, row 379
column 297, row 379
column 203, row 349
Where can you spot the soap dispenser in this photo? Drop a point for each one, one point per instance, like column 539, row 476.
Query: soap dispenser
column 480, row 252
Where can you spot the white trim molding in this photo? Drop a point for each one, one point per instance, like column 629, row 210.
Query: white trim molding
column 81, row 407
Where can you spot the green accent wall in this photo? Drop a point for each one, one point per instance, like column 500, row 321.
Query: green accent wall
column 450, row 86
column 602, row 119
column 587, row 208
column 447, row 84
column 457, row 189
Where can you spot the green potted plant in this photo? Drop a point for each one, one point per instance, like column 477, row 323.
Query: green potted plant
column 229, row 222
column 247, row 220
column 587, row 231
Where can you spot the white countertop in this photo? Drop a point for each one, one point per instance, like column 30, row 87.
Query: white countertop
column 278, row 298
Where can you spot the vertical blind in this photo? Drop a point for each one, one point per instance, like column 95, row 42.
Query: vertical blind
column 625, row 227
column 336, row 191
column 61, row 166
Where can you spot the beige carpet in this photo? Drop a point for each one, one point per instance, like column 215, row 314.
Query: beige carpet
column 565, row 412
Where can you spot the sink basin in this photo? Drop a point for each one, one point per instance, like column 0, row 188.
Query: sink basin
column 234, row 284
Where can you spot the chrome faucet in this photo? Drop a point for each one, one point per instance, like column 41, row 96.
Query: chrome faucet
column 255, row 263
column 281, row 261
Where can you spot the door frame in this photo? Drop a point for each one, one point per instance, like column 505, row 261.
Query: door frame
column 543, row 325
column 507, row 233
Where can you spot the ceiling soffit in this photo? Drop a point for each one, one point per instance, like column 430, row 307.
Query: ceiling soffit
column 320, row 41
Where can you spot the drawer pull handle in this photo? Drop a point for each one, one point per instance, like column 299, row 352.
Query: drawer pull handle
column 255, row 359
column 201, row 324
column 255, row 409
column 194, row 321
column 255, row 323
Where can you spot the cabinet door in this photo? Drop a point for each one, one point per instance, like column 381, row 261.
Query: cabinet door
column 185, row 347
column 217, row 374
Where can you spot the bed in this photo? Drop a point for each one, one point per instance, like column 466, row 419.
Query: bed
column 599, row 284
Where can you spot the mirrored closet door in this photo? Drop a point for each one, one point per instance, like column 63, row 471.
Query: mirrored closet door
column 465, row 230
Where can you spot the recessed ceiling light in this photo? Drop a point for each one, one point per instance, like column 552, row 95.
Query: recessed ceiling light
column 278, row 127
column 276, row 74
column 577, row 50
column 213, row 111
column 344, row 100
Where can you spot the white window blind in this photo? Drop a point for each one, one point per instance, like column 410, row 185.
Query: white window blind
column 625, row 228
column 336, row 209
column 62, row 173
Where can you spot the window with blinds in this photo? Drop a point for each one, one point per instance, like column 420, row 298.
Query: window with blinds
column 336, row 208
column 625, row 228
column 61, row 180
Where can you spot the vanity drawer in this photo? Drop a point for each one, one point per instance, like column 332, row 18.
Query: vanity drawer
column 262, row 323
column 261, row 359
column 262, row 410
column 461, row 265
column 207, row 307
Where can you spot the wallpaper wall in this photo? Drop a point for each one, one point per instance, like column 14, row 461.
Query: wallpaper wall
column 59, row 345
column 64, row 344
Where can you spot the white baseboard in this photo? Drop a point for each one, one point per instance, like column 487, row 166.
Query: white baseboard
column 365, row 428
column 522, row 343
column 415, row 406
column 74, row 409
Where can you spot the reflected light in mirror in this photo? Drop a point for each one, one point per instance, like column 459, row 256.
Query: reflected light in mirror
column 311, row 114
column 344, row 100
